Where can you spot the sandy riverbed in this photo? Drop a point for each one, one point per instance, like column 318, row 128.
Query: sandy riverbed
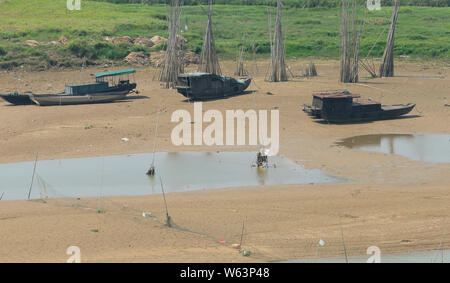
column 390, row 201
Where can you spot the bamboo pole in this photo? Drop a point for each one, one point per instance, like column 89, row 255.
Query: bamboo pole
column 209, row 63
column 173, row 62
column 241, row 58
column 311, row 70
column 387, row 64
column 278, row 72
column 351, row 31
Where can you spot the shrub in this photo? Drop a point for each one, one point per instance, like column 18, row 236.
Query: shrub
column 3, row 52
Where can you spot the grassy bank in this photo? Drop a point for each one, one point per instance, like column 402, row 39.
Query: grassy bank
column 423, row 32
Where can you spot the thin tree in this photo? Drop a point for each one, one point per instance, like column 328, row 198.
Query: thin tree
column 173, row 62
column 278, row 70
column 351, row 30
column 209, row 63
column 387, row 63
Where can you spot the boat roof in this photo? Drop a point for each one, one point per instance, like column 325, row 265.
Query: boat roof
column 195, row 74
column 114, row 73
column 336, row 95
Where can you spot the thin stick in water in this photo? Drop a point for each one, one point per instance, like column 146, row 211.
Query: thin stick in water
column 32, row 178
column 165, row 203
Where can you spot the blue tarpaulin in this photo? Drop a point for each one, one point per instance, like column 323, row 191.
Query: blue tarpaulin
column 114, row 73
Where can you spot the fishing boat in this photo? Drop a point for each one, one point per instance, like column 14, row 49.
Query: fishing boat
column 343, row 107
column 204, row 86
column 108, row 87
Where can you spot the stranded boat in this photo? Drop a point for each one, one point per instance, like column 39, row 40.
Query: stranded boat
column 341, row 107
column 203, row 86
column 106, row 89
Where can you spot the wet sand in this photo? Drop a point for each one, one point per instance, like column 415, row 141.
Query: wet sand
column 390, row 201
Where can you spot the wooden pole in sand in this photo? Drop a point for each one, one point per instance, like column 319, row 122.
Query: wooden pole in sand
column 343, row 241
column 242, row 234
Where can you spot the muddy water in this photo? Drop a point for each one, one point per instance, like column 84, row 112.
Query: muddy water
column 126, row 175
column 427, row 148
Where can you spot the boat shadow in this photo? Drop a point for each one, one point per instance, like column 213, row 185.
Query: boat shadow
column 135, row 97
column 219, row 98
column 322, row 122
column 373, row 83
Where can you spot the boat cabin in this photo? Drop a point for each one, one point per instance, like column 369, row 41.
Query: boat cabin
column 115, row 78
column 205, row 81
column 87, row 88
column 198, row 85
column 104, row 82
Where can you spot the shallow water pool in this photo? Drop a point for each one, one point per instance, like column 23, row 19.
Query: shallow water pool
column 126, row 175
column 427, row 148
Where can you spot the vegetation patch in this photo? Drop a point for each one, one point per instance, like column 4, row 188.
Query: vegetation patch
column 422, row 32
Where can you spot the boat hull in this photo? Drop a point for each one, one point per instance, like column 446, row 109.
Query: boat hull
column 21, row 99
column 386, row 112
column 51, row 100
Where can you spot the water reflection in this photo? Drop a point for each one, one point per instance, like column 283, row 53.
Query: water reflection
column 427, row 148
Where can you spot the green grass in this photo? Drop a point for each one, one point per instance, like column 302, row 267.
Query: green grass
column 422, row 32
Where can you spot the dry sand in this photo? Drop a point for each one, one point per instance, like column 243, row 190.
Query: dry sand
column 390, row 201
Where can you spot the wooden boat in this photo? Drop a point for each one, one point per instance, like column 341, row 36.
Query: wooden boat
column 342, row 107
column 17, row 99
column 203, row 86
column 105, row 89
